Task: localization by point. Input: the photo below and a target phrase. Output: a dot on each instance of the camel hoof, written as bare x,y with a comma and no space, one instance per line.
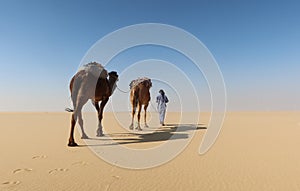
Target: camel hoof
147,126
131,127
72,144
84,136
139,129
100,135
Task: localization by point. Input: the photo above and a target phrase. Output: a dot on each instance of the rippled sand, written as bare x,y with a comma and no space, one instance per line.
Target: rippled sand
254,151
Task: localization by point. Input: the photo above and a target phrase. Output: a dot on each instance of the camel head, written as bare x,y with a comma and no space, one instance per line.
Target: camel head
113,78
147,83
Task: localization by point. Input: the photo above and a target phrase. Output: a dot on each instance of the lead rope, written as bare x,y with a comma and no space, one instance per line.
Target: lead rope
123,90
155,109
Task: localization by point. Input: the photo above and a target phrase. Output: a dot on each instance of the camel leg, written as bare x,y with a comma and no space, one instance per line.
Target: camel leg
145,114
80,103
77,115
134,105
100,117
132,117
80,122
139,116
96,105
134,97
71,139
72,142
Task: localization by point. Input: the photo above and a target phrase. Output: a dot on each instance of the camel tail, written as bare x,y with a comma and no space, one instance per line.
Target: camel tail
69,110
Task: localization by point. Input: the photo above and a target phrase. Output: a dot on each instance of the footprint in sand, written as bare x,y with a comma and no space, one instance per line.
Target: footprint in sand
11,183
58,170
113,181
22,170
39,157
80,163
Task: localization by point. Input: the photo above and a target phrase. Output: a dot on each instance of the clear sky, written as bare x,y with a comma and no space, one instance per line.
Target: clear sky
255,43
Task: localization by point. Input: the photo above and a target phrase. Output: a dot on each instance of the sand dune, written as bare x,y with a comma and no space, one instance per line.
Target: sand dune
254,151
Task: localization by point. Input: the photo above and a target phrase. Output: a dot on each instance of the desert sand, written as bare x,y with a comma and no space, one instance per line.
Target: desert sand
254,151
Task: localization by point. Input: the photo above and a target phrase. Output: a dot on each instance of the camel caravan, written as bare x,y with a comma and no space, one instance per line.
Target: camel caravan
93,82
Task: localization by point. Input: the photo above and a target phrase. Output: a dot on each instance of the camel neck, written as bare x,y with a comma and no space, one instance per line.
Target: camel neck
111,82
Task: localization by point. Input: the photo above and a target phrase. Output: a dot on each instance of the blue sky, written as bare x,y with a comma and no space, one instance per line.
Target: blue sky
255,43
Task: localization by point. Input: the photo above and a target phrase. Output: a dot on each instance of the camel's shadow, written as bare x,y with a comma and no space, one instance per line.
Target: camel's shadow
165,133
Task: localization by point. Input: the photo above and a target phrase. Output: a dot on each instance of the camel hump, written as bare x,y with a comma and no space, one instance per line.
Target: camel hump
145,81
95,69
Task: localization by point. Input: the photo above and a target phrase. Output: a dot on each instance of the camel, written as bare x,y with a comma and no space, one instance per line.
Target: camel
139,96
90,83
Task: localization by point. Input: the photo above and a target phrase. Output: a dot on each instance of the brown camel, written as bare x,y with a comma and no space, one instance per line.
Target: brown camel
90,83
139,95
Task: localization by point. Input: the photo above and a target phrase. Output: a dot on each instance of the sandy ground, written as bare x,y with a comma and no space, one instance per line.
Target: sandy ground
254,151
